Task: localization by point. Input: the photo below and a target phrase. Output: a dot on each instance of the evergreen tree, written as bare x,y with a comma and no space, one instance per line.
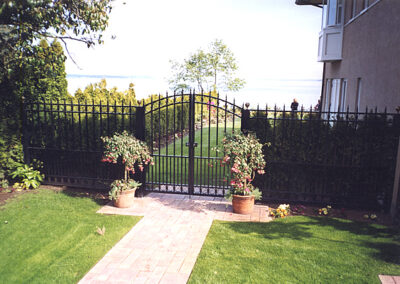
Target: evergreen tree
44,77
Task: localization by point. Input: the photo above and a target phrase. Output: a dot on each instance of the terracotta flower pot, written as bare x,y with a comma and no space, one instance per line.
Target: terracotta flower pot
243,204
125,199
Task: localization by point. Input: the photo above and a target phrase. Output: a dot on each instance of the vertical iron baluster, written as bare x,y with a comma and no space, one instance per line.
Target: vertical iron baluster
217,172
201,144
209,143
226,108
174,147
273,182
159,141
87,125
257,116
122,116
66,124
301,142
182,145
224,184
311,186
94,126
168,172
53,134
45,124
345,155
191,142
59,131
39,124
115,116
284,130
131,129
152,140
72,124
101,119
233,116
196,151
80,126
108,118
266,137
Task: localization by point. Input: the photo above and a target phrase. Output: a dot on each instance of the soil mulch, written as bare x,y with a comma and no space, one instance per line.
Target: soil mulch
350,214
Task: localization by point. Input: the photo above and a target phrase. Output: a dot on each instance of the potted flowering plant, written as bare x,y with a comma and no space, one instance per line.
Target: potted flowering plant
130,151
245,158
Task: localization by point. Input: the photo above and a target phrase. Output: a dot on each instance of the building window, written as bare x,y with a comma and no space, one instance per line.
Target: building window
332,13
354,9
327,95
365,4
358,95
343,93
334,95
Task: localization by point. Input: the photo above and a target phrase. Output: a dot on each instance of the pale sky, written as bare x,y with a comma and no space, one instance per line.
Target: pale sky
271,40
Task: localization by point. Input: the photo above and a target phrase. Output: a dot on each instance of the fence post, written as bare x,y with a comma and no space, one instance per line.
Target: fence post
24,133
396,184
140,134
244,127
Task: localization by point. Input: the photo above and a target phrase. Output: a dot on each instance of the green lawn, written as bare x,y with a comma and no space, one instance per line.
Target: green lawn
173,169
297,250
50,237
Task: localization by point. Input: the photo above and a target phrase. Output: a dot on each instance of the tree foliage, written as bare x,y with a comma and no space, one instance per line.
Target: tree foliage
214,69
23,22
44,77
98,92
31,68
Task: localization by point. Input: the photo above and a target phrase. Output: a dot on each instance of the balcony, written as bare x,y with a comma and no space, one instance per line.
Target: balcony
330,44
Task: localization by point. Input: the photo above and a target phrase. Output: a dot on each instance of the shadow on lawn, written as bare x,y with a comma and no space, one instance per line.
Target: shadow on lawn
387,250
100,197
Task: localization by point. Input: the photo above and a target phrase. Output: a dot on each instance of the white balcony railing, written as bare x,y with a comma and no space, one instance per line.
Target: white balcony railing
330,44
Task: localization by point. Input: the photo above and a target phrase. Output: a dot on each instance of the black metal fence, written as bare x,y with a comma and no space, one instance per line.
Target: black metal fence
343,158
65,136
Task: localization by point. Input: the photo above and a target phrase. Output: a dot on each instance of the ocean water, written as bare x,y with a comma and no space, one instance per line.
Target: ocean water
259,91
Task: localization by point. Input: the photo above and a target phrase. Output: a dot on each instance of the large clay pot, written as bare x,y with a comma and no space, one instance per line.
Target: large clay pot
243,204
125,199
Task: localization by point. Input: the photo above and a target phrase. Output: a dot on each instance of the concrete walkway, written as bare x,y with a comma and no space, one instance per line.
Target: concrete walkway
163,246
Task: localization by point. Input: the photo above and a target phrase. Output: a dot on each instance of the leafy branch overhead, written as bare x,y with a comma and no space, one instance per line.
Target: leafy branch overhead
22,22
203,70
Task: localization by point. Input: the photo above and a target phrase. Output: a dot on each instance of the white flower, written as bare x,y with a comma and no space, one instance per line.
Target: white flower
284,206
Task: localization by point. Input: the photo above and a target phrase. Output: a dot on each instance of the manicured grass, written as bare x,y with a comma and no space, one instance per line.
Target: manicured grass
50,237
297,250
174,169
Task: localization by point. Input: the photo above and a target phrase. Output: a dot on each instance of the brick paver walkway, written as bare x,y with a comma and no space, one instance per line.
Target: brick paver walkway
163,246
387,279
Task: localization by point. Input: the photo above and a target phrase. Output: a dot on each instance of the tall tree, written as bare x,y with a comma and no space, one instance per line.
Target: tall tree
44,77
204,69
222,63
23,23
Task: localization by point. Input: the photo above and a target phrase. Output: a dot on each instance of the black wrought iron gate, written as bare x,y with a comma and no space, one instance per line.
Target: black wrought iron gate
185,132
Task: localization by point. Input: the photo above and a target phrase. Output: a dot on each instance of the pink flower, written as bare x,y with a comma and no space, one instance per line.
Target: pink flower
261,172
